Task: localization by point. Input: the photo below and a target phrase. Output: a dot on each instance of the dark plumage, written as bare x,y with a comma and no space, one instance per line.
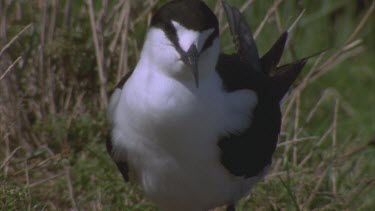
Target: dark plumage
249,152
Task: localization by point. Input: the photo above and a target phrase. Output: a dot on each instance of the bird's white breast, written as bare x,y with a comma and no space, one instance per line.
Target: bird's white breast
168,132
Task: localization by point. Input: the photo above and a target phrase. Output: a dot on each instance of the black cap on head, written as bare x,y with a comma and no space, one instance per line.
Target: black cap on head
192,14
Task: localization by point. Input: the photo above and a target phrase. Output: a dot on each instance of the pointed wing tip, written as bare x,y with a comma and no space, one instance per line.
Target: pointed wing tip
286,34
242,36
284,38
225,5
299,65
271,59
285,76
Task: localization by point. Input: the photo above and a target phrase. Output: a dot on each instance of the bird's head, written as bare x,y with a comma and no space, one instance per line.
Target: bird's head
183,40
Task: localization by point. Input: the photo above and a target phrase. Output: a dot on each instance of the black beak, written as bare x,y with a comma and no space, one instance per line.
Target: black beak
190,59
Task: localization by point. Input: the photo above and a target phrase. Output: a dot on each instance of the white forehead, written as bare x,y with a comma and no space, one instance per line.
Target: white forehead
187,37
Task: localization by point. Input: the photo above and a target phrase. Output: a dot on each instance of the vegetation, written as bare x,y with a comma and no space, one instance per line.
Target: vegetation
59,60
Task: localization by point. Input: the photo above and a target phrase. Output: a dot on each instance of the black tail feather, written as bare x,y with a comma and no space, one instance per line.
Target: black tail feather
271,59
284,76
281,77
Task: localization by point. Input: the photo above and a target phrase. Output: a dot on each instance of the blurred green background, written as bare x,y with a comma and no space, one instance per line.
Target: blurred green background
70,55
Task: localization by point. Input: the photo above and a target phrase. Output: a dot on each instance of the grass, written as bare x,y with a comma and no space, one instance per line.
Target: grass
60,59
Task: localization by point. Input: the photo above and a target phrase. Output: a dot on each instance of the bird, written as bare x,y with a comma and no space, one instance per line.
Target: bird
196,128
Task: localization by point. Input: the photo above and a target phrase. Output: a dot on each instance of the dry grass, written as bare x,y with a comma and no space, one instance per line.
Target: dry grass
59,59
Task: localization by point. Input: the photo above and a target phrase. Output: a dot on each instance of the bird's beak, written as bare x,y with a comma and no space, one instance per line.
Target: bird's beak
190,59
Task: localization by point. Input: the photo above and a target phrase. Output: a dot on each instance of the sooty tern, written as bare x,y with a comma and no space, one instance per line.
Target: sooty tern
197,128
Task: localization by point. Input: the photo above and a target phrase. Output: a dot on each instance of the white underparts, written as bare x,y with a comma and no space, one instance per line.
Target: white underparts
167,129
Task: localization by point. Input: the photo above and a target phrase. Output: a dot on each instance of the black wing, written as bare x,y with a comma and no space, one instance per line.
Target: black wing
248,153
242,37
121,165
